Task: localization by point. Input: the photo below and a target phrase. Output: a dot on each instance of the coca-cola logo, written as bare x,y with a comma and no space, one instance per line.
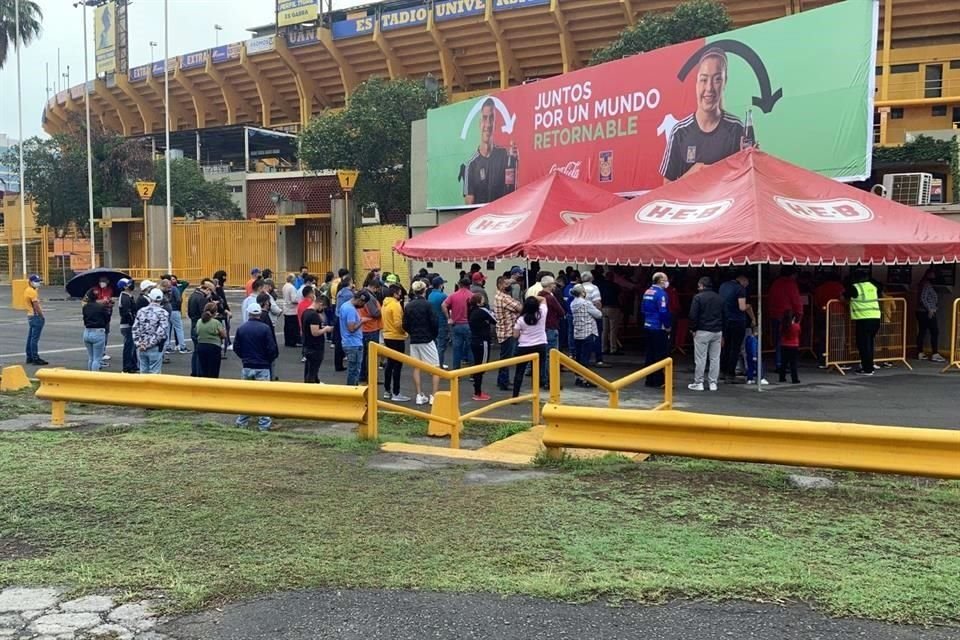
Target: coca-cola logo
496,223
573,217
836,211
669,212
571,169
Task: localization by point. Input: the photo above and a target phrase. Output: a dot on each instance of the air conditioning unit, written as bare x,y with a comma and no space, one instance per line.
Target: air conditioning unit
369,214
908,188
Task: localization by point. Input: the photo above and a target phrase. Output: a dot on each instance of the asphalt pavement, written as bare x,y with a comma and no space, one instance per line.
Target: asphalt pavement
897,396
409,615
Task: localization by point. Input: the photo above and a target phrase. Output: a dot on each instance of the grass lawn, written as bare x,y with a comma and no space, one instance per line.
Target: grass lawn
208,513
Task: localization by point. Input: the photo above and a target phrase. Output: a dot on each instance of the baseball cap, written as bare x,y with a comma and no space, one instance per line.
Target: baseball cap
478,278
254,271
146,284
419,285
123,283
155,296
438,281
35,278
253,309
515,271
546,281
393,279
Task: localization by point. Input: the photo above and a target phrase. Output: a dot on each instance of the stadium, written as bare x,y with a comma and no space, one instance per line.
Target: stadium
234,107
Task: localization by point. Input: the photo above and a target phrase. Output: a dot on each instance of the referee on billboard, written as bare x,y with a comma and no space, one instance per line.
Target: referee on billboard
708,135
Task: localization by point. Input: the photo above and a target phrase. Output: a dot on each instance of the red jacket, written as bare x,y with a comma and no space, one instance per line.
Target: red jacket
785,296
790,336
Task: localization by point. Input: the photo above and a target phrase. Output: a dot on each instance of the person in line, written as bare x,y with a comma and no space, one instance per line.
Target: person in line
455,313
371,313
530,331
927,303
291,329
150,330
555,315
351,335
790,345
784,295
35,319
421,323
478,286
394,337
266,302
571,280
255,274
314,328
96,316
592,294
864,296
256,346
436,298
344,297
175,342
210,334
612,313
734,296
127,315
506,310
298,282
165,287
706,324
584,320
481,320
658,323
517,284
196,303
103,290
223,312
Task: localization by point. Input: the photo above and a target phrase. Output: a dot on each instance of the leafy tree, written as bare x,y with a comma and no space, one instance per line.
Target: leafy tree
30,18
55,173
191,192
372,134
688,21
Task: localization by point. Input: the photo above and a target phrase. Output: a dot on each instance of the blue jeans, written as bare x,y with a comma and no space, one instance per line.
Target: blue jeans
175,339
95,340
263,422
508,349
34,327
461,346
777,353
354,356
553,342
151,360
129,350
443,339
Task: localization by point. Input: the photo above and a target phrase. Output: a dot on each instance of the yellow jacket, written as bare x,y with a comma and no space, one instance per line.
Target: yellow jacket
392,315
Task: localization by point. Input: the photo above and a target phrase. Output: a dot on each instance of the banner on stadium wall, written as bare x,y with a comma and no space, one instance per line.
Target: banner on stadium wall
193,60
804,82
413,16
225,52
137,74
296,11
259,45
105,37
301,37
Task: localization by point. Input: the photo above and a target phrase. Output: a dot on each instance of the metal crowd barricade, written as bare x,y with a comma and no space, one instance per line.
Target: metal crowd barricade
890,344
953,360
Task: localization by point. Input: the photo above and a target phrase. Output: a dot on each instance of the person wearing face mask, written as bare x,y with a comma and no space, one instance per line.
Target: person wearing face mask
35,320
104,294
927,302
657,320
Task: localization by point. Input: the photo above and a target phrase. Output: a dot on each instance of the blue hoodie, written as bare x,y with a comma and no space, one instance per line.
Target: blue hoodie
256,345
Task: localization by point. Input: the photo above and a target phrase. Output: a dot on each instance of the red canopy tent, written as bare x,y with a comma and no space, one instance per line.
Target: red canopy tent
753,208
500,229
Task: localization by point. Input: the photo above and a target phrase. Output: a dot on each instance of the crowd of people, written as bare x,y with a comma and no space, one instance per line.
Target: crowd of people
526,311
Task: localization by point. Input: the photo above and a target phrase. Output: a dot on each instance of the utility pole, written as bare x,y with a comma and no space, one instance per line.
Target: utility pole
18,43
86,93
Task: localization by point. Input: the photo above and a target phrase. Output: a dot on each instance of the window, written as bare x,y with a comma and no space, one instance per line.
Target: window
956,116
896,113
876,128
904,68
955,64
933,81
939,111
878,71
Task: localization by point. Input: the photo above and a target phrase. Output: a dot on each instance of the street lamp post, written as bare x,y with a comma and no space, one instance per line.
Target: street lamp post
152,46
166,119
18,43
216,31
86,93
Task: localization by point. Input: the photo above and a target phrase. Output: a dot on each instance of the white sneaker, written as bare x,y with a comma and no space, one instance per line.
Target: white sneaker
230,347
421,399
106,356
922,356
387,395
936,357
695,386
400,398
431,399
763,381
713,386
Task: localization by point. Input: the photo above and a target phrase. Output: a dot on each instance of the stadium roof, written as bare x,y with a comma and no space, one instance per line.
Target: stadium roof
281,81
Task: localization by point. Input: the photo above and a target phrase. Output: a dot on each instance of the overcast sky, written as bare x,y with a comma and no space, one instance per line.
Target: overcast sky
191,29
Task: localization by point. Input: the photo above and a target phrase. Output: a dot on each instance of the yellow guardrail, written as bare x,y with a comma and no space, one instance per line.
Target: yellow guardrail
954,357
890,343
184,393
450,415
559,359
837,445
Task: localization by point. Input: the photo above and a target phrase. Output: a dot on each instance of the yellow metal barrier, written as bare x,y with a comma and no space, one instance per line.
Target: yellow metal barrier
890,343
184,393
954,358
923,452
453,418
558,359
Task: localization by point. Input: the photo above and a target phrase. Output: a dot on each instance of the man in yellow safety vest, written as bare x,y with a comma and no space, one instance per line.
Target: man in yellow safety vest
864,297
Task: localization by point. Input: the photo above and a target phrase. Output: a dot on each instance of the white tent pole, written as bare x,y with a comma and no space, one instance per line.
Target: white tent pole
759,327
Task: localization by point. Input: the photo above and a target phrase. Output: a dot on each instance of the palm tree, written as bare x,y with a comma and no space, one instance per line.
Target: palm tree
30,18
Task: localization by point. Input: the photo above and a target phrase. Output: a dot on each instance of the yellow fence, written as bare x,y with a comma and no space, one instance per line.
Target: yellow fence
236,246
373,247
559,360
446,409
890,344
954,357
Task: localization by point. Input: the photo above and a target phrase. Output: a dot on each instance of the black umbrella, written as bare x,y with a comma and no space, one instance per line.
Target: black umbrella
83,282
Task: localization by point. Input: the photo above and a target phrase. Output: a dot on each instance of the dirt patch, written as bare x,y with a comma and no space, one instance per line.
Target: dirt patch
15,549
